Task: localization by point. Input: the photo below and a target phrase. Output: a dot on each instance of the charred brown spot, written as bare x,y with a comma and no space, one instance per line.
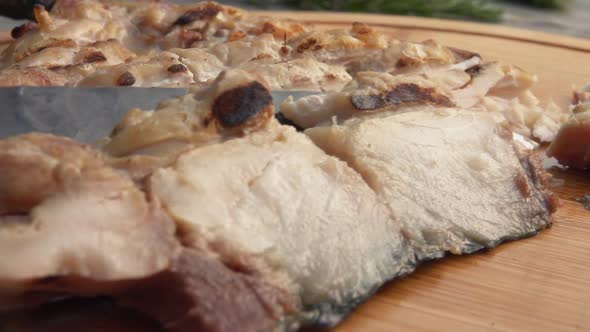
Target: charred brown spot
206,12
462,55
237,35
207,120
126,79
188,37
401,94
284,50
65,43
522,184
235,107
177,68
307,44
261,56
475,70
330,76
95,57
20,30
361,28
406,61
255,31
268,27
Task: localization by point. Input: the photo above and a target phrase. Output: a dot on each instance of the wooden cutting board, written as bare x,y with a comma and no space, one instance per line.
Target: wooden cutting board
537,284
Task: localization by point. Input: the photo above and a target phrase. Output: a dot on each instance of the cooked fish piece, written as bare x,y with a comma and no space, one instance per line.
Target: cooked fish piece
65,64
299,74
275,196
494,88
338,45
233,105
405,57
207,23
370,91
34,76
249,48
571,147
203,65
101,53
262,58
362,48
163,69
61,34
453,178
120,244
235,214
71,224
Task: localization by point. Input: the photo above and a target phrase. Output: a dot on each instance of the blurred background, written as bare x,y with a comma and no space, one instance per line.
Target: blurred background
569,17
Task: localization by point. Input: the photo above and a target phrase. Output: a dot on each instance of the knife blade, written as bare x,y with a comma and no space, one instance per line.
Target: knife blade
85,114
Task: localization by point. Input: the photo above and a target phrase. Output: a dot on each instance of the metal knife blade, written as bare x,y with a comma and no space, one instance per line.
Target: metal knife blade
85,114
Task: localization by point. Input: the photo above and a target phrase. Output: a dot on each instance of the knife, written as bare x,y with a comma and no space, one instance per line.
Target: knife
85,114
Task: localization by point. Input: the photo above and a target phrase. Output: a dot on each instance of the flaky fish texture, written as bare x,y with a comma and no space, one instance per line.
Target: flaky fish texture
71,224
276,196
263,196
266,231
208,214
455,181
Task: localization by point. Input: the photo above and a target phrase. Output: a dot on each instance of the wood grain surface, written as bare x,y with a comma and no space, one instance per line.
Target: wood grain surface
537,284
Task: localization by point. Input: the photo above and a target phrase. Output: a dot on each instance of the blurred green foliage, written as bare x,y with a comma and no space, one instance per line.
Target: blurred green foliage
555,4
480,10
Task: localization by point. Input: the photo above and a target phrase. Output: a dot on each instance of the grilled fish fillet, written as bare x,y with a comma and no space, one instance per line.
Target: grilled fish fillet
455,181
239,223
244,186
276,196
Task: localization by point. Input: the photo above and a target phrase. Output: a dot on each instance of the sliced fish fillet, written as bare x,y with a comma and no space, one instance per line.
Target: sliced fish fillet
275,196
455,181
